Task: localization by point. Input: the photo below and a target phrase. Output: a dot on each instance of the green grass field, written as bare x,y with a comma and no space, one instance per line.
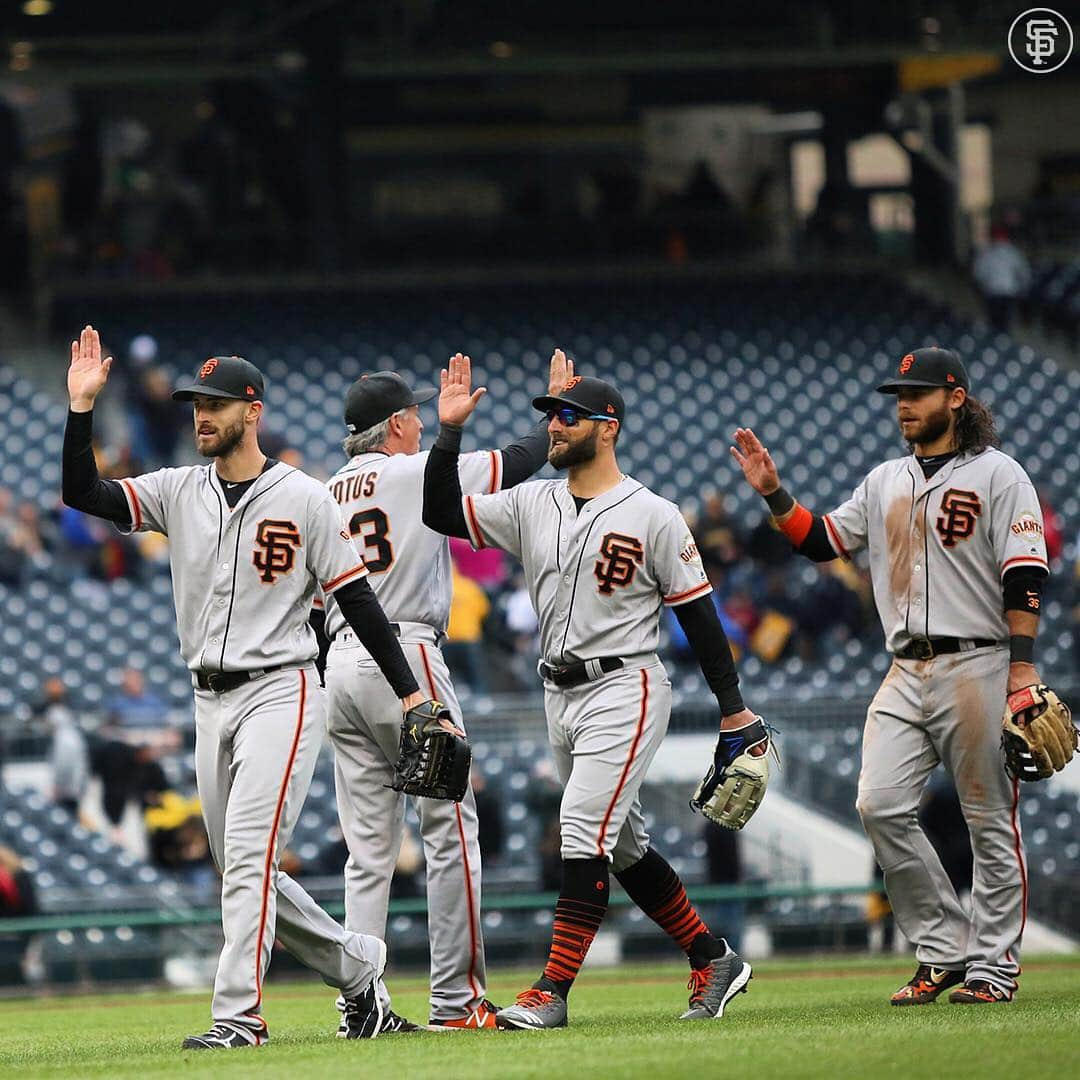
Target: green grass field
808,1018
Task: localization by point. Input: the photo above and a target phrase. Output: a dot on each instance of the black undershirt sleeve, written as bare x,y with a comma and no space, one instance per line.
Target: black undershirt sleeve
524,456
82,488
704,632
442,486
365,615
816,546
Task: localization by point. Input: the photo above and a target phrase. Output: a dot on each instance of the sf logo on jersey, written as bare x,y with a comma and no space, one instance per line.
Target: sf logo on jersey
959,509
275,548
621,557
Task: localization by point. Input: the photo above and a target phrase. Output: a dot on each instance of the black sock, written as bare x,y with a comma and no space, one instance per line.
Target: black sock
655,887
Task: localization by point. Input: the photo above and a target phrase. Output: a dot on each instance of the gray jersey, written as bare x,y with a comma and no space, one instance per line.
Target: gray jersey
597,578
381,499
940,547
243,579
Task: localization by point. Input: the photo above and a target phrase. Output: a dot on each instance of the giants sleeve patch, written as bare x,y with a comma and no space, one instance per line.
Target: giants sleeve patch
1027,526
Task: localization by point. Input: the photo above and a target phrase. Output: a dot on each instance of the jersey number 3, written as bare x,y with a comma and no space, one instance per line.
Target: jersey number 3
373,528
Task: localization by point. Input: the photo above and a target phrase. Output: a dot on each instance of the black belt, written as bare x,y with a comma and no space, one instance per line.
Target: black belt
582,671
927,648
221,682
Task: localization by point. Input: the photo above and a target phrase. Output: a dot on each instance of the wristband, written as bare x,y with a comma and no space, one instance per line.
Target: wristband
779,502
1021,649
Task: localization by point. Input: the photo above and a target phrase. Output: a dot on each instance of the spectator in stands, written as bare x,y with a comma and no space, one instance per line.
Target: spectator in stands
161,422
522,624
741,612
21,544
134,706
767,546
491,830
779,622
17,901
719,539
544,798
40,535
833,608
943,822
178,842
463,650
128,773
69,759
680,646
723,866
487,567
1003,276
1053,532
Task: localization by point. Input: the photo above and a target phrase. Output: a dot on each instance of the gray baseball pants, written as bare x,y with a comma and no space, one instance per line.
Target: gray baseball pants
947,709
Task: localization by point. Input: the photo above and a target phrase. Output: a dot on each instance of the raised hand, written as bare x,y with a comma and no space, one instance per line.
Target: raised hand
755,461
457,399
562,371
88,373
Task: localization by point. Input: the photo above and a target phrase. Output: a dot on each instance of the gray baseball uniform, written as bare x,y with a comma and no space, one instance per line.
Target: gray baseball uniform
243,581
597,580
938,550
381,499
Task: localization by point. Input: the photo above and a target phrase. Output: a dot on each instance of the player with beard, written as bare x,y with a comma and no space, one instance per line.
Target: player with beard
601,554
954,534
249,540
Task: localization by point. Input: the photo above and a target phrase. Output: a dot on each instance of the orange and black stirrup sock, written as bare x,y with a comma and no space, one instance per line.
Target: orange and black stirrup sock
581,908
656,889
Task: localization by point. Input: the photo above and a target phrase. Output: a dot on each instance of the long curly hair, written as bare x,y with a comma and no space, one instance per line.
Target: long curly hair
975,428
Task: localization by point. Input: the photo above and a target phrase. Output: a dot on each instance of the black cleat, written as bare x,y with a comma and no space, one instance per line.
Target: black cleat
362,1017
393,1024
222,1037
926,985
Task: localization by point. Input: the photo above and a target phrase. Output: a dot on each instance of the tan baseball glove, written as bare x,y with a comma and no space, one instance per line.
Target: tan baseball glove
736,781
1037,733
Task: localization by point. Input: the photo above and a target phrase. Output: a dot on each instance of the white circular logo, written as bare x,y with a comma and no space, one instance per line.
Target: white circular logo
1040,40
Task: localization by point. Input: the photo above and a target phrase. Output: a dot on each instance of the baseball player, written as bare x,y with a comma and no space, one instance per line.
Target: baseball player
601,554
380,492
955,539
249,539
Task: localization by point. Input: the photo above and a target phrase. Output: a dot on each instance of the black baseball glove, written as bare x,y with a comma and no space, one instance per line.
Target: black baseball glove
432,762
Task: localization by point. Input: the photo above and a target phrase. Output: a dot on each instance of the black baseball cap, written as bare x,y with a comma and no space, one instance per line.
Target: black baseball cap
376,397
588,396
932,366
224,376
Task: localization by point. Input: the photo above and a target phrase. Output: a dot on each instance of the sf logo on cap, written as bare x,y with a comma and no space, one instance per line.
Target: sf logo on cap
905,364
208,368
572,382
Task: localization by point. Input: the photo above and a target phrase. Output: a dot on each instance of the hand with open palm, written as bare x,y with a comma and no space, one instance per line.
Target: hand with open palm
87,373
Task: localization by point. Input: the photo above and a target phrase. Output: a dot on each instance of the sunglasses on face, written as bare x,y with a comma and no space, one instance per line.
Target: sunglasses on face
571,418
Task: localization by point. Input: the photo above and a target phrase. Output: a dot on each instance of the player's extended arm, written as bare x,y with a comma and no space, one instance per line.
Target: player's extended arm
369,623
805,530
442,484
705,633
526,455
82,488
